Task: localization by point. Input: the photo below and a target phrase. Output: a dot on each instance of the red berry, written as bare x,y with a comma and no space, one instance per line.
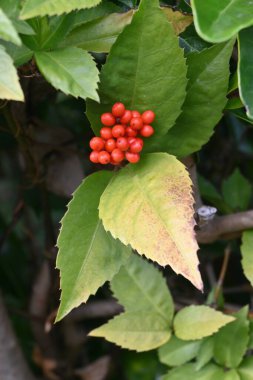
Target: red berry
147,131
122,143
132,157
106,133
130,132
136,146
117,155
113,162
104,157
131,140
108,119
118,109
148,117
96,143
136,114
118,131
136,123
127,116
110,145
94,156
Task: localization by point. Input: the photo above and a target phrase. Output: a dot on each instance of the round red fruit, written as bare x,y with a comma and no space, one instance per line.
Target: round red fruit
136,123
136,114
148,117
113,163
136,146
108,119
106,133
117,155
110,145
118,109
132,157
94,156
122,143
147,131
127,116
130,132
118,131
104,157
96,143
131,140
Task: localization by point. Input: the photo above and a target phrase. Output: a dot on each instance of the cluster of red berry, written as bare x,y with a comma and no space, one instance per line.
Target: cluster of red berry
119,137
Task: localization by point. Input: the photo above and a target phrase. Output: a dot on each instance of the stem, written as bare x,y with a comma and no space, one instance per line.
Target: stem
222,273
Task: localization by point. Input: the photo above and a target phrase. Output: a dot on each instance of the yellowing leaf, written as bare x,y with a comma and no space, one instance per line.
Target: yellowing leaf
150,207
178,20
140,331
247,254
196,322
10,88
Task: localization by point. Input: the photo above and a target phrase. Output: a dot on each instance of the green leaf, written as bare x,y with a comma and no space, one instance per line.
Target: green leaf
196,322
241,114
140,286
246,369
58,28
191,42
250,343
23,27
100,34
233,104
88,256
237,191
129,74
19,54
9,84
217,21
7,30
70,70
10,7
137,330
101,10
205,353
208,73
247,254
231,375
245,69
177,352
230,343
156,195
34,8
189,372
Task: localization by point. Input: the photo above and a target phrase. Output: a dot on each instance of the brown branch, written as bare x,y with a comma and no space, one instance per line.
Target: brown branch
225,227
12,362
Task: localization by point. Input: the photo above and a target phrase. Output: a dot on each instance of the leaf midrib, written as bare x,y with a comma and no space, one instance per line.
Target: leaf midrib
65,70
147,297
89,251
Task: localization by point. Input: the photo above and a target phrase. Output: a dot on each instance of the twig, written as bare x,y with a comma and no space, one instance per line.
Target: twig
225,227
223,271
